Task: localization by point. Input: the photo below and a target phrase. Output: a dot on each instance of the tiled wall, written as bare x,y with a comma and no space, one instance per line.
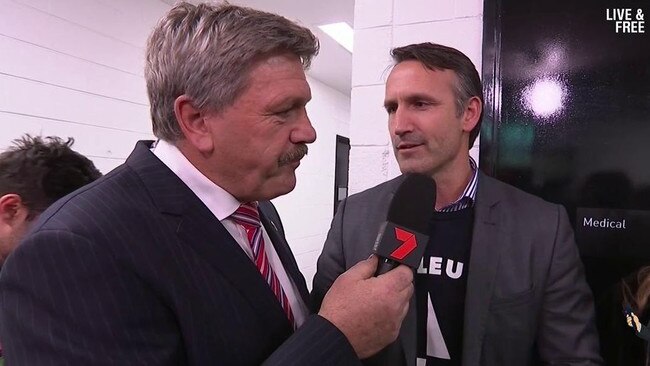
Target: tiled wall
74,68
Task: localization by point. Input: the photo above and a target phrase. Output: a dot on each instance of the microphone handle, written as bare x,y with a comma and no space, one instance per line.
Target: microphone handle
385,265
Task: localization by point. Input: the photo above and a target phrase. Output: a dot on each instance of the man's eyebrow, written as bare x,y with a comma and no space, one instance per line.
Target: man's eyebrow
420,96
291,102
411,98
390,104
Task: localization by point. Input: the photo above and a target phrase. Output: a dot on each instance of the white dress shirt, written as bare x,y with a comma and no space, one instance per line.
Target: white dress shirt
222,204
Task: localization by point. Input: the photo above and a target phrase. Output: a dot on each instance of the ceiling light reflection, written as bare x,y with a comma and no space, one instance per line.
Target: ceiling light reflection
545,97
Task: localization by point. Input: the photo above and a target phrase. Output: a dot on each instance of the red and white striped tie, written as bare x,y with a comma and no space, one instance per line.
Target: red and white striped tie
248,216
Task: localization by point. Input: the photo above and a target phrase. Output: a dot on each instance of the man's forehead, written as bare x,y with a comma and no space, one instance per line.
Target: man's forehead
414,77
417,67
278,61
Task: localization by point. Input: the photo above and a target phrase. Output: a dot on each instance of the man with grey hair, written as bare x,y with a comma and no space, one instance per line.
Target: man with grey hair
177,257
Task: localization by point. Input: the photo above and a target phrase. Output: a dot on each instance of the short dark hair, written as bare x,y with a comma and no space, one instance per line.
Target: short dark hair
438,57
42,170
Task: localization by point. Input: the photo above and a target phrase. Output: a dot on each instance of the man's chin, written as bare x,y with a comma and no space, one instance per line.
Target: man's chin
290,165
407,168
280,186
287,189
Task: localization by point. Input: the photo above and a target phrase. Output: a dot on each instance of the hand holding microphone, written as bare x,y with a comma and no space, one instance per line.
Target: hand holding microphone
369,301
369,310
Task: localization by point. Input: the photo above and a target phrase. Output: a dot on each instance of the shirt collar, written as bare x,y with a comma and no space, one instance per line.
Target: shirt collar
221,203
467,198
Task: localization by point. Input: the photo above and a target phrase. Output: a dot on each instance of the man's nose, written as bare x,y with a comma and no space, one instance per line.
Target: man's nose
304,133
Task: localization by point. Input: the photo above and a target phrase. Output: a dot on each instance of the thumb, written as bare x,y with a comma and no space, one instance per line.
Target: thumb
364,269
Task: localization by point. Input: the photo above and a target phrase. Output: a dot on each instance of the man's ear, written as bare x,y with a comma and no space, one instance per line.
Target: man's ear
472,114
193,124
12,210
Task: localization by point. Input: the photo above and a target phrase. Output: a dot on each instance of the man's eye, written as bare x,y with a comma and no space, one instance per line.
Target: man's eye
390,109
284,113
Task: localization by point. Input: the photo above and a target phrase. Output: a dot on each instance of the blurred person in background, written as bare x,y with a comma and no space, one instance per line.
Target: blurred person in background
34,173
635,295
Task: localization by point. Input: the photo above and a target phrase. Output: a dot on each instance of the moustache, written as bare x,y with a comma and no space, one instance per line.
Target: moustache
294,155
408,139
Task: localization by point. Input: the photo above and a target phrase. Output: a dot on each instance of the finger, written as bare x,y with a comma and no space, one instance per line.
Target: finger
404,296
364,269
405,310
399,278
408,291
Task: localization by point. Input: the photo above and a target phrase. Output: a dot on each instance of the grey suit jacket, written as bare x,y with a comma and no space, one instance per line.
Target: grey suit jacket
527,301
135,270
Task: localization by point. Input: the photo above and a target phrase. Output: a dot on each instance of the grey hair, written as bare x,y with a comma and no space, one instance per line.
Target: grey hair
205,51
438,57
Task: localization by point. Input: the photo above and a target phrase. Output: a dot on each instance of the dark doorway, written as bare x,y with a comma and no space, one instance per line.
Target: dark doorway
342,169
567,119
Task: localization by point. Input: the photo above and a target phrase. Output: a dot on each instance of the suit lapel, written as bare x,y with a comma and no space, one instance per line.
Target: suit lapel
197,227
484,258
281,246
200,229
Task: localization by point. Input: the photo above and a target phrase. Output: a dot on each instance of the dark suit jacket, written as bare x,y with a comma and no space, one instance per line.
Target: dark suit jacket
527,300
134,269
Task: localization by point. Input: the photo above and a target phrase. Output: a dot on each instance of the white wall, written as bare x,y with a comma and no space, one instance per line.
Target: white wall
75,68
307,211
379,26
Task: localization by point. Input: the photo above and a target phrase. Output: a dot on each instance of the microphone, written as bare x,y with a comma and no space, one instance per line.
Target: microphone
402,237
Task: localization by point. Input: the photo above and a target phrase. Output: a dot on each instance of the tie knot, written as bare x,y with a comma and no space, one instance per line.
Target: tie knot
247,215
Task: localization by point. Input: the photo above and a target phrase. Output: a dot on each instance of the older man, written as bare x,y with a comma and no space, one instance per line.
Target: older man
177,257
